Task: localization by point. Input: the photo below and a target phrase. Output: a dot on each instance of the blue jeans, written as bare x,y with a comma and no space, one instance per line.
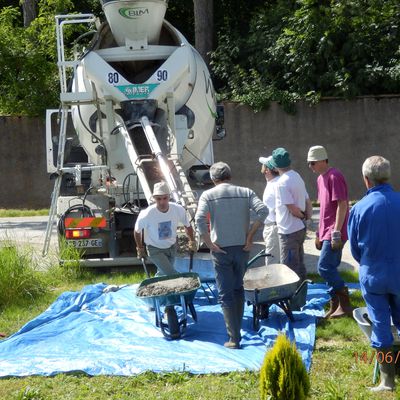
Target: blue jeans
328,263
229,272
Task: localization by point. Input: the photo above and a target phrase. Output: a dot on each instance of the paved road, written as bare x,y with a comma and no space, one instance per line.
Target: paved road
311,253
31,231
24,230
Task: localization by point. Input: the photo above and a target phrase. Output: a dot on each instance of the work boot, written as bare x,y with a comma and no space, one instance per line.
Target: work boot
333,305
231,328
387,370
344,309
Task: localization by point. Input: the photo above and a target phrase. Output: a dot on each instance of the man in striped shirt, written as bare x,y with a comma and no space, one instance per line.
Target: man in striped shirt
230,240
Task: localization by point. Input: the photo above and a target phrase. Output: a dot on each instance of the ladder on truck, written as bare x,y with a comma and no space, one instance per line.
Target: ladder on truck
182,194
67,99
176,179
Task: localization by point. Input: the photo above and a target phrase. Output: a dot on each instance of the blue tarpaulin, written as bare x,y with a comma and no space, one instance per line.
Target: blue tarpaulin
114,334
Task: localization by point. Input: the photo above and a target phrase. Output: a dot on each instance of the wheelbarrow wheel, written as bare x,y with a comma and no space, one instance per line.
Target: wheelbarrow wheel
173,323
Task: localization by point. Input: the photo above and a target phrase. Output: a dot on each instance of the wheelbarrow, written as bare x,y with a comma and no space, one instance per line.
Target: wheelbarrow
364,323
273,284
172,326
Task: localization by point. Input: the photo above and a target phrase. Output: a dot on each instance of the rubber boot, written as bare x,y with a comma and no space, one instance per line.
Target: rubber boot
239,310
387,370
344,309
232,328
333,305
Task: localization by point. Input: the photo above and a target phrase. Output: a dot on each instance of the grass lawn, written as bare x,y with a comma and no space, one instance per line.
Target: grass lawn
6,213
336,372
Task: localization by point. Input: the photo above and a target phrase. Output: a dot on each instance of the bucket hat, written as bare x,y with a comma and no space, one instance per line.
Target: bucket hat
317,153
280,158
161,189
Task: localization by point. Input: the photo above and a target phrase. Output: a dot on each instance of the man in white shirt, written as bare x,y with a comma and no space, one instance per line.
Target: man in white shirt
293,208
156,227
270,232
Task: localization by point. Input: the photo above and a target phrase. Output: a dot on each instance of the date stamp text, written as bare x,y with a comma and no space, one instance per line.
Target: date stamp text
379,356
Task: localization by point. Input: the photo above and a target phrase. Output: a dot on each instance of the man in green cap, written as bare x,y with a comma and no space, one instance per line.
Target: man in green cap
293,208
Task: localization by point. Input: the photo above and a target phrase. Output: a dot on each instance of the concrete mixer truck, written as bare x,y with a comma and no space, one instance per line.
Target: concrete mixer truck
137,107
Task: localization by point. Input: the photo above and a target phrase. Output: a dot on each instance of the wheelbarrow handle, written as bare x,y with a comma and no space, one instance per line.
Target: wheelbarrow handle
305,282
145,267
262,253
191,254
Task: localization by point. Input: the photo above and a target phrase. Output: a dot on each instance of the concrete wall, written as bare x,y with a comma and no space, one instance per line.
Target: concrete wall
350,130
24,181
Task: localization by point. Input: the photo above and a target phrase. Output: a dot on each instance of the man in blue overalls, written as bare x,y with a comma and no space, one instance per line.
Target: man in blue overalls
374,233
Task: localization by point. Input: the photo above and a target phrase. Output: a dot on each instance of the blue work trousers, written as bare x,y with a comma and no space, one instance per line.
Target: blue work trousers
380,308
328,263
229,272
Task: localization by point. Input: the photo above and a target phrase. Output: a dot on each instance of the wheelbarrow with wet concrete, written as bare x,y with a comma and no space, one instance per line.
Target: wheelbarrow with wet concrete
273,284
167,295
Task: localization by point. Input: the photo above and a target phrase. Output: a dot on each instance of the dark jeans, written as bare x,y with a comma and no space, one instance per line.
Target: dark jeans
229,272
292,252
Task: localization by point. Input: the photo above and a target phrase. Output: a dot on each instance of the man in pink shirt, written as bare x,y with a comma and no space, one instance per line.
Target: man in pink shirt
332,232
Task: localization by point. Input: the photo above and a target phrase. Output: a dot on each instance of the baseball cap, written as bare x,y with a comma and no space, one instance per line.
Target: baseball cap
266,161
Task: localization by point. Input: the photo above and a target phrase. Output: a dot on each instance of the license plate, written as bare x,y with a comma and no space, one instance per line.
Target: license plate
83,243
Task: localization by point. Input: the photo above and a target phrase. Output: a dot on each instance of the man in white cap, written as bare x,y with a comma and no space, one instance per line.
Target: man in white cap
270,232
159,223
332,230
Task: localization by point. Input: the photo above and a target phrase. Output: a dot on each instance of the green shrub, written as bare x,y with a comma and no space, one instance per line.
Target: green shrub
283,375
70,268
19,278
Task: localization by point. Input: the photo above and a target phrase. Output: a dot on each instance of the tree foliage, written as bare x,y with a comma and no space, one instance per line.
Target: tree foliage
306,49
29,80
281,50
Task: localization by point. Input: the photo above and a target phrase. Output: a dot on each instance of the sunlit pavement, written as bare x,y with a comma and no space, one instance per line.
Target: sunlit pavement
31,231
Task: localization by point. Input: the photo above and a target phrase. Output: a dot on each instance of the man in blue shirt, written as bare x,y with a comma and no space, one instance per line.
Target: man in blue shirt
374,233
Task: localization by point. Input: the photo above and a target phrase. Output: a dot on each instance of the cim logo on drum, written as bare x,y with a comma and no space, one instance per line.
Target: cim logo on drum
133,12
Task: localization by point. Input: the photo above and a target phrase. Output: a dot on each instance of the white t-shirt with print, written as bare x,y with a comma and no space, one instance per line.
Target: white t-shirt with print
160,227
